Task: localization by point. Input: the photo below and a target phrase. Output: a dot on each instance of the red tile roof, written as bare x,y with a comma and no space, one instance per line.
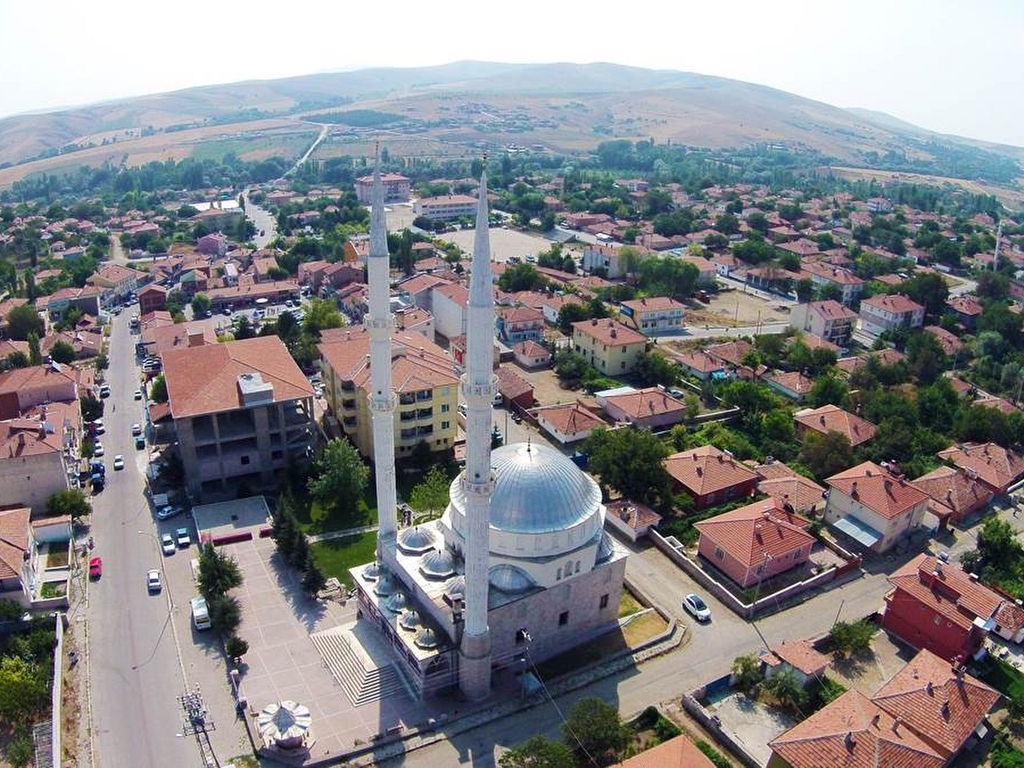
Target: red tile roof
953,492
997,466
758,531
645,403
416,362
787,487
792,381
678,752
609,332
14,525
878,490
854,732
832,418
203,380
943,705
800,655
947,590
570,419
831,309
707,470
511,384
896,303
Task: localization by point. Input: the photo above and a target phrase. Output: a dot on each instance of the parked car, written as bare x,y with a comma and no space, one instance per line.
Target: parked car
95,567
167,512
140,442
97,450
118,462
153,581
98,428
167,544
105,390
136,430
184,540
200,613
697,607
137,394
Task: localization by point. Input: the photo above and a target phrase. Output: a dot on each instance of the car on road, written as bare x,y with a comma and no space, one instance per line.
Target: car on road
95,567
136,430
167,512
137,394
167,544
153,581
184,540
696,607
105,390
140,442
98,428
118,462
97,450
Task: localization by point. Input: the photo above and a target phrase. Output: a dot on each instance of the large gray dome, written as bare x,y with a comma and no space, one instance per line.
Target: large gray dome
536,490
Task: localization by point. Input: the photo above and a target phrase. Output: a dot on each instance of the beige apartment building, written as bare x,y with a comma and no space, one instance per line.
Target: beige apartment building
423,376
609,346
242,410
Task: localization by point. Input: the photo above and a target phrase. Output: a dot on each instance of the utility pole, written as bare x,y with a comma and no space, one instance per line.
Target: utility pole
197,722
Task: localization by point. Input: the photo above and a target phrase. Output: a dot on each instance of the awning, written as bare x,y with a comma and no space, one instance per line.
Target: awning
859,531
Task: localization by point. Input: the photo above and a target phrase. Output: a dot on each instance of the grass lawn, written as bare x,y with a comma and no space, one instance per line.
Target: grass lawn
336,556
313,518
628,605
1003,677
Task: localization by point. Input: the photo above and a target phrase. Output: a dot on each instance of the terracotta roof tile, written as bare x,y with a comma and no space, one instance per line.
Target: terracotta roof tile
954,492
947,590
801,655
707,470
759,530
570,419
14,524
878,490
997,466
609,332
678,752
645,403
416,362
832,418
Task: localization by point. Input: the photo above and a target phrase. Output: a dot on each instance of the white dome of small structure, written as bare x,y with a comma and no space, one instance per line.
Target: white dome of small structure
410,620
284,724
438,564
383,587
397,603
508,578
415,540
455,588
542,503
426,639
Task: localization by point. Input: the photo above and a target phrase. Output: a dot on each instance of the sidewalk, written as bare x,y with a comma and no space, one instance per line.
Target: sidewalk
341,534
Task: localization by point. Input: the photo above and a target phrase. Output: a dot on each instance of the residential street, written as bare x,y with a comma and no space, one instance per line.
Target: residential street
133,660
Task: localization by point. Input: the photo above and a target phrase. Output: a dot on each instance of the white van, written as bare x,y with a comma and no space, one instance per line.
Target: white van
200,613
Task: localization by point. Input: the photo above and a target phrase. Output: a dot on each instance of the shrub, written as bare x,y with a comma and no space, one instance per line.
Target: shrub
235,647
712,754
225,614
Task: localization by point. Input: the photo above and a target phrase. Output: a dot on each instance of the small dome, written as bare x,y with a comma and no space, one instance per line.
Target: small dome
415,540
536,490
397,603
371,572
508,578
410,620
426,639
605,548
454,588
383,586
439,564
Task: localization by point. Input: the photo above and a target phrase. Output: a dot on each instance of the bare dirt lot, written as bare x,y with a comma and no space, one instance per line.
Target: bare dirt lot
546,388
504,242
736,308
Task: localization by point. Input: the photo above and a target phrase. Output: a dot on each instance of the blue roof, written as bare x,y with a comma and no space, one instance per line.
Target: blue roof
858,530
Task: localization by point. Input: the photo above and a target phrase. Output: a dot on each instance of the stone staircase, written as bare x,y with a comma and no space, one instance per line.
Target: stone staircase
363,679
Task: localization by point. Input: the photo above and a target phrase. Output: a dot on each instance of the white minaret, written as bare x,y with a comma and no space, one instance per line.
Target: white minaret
478,383
378,324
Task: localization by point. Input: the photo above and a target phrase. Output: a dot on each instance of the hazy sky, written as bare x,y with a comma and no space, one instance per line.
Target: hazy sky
947,65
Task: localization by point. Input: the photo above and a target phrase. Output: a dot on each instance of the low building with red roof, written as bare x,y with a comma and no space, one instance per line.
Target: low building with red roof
828,319
755,542
997,467
648,408
514,389
793,491
15,555
531,354
677,752
632,519
242,410
874,507
955,495
653,314
798,656
709,476
832,418
967,310
568,423
791,384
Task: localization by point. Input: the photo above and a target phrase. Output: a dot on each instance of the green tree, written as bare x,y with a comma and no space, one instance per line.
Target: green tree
826,454
925,357
158,389
929,290
746,673
23,320
200,305
92,407
594,731
851,638
570,365
430,495
521,277
632,462
24,689
313,579
72,502
322,314
785,687
35,354
218,572
283,525
538,752
243,328
828,390
339,477
225,613
62,352
653,368
235,647
804,289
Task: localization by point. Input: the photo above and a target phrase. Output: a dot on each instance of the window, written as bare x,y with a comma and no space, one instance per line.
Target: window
719,553
445,407
245,460
445,424
563,618
277,454
558,575
604,602
577,568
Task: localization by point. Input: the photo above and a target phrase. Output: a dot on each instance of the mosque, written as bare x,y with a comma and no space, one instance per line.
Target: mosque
519,567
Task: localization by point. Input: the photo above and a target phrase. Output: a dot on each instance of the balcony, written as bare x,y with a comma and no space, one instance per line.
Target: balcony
407,398
425,413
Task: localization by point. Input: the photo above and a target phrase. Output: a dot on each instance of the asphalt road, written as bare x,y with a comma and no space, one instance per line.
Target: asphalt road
134,666
262,220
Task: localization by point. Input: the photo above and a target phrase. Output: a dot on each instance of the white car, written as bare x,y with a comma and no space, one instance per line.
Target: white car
167,544
153,581
97,450
137,394
136,430
118,462
697,607
184,540
167,512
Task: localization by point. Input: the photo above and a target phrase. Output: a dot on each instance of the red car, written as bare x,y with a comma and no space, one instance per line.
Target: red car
95,567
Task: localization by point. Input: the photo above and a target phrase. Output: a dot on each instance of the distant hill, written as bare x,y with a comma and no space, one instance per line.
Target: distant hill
564,107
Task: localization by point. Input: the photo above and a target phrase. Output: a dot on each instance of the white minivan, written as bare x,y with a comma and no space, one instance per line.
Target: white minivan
200,613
